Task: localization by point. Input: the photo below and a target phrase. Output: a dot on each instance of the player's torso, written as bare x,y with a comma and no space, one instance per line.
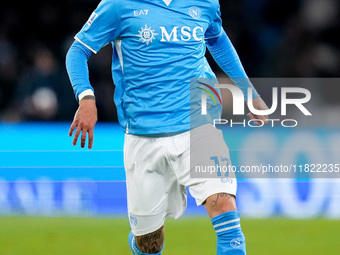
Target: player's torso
155,34
161,47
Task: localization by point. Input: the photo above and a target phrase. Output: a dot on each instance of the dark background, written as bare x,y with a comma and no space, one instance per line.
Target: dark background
281,38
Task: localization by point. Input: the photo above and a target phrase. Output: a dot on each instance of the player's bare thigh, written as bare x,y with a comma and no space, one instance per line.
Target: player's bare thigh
152,242
219,203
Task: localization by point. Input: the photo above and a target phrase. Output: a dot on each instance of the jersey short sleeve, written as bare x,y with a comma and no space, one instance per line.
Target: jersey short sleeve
215,28
102,27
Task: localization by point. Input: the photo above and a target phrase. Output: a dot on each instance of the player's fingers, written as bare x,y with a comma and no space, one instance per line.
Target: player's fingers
264,118
254,117
83,138
90,139
72,127
76,135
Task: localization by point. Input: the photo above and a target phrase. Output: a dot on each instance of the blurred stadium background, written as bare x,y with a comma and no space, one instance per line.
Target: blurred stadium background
42,175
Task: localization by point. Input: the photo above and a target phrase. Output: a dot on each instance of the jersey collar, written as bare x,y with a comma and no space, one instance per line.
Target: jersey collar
167,2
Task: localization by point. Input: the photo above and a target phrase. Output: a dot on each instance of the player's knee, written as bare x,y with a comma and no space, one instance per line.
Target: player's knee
151,243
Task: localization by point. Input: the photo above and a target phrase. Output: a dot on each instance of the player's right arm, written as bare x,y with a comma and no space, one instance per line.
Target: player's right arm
102,27
86,116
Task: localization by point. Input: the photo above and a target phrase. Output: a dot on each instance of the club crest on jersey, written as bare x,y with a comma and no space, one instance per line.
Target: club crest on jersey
146,34
195,12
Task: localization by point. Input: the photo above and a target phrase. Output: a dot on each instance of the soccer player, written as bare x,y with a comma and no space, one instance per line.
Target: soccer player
158,47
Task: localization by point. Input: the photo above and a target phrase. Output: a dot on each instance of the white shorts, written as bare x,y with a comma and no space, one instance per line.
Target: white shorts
158,172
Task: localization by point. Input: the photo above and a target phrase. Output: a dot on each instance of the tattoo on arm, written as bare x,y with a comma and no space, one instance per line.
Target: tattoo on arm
151,243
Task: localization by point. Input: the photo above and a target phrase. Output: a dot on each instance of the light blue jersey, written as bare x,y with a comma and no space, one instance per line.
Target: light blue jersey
159,45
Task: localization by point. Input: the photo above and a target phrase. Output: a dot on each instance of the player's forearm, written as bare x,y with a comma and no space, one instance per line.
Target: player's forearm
77,68
227,58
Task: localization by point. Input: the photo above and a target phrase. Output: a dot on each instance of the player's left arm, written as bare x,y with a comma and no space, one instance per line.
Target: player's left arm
225,55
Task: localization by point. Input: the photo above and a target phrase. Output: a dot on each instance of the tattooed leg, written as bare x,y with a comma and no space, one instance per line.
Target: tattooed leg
151,243
219,203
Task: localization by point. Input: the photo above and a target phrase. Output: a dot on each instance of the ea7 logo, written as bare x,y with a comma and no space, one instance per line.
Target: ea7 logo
140,12
182,34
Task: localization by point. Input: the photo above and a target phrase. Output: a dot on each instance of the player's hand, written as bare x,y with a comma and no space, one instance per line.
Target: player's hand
259,104
84,121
